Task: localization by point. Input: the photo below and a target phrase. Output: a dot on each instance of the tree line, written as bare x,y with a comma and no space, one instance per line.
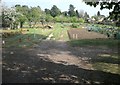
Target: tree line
16,16
19,14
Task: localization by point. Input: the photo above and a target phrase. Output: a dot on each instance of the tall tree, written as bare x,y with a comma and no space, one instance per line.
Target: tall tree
55,11
77,14
86,16
98,13
71,11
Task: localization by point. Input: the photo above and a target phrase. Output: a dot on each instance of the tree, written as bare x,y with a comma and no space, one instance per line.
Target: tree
25,10
21,19
5,17
71,11
47,11
22,12
98,13
48,18
22,9
55,11
86,16
9,18
34,15
107,4
77,14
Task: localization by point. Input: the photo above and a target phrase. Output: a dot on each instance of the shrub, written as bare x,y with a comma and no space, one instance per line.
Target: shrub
81,20
74,25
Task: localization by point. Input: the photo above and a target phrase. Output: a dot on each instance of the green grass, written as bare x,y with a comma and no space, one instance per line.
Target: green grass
106,67
95,42
35,35
58,31
107,63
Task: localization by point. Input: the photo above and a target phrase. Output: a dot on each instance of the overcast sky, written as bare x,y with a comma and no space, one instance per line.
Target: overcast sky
61,4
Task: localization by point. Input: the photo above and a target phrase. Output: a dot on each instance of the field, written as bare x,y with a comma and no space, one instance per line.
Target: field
60,54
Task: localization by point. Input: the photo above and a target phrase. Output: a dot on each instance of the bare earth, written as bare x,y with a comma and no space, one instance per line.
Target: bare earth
84,34
55,62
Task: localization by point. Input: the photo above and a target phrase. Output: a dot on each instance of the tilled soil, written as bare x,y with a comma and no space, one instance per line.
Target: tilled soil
55,62
84,34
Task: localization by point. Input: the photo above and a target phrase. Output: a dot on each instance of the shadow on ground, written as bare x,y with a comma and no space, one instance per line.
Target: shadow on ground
24,65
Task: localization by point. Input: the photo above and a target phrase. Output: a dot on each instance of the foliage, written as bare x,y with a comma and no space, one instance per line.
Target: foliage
48,18
9,17
34,15
107,4
81,20
47,11
74,25
71,11
98,13
22,12
77,14
21,19
86,16
73,19
55,11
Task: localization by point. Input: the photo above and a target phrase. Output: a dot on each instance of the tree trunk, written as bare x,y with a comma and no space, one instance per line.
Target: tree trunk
21,24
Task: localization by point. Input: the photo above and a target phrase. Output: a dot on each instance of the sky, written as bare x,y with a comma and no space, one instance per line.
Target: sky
63,5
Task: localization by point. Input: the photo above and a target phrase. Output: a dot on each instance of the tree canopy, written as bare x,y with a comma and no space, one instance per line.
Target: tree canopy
114,5
71,11
55,11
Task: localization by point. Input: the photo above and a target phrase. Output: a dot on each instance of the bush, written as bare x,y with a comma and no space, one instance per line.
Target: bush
81,20
74,25
73,19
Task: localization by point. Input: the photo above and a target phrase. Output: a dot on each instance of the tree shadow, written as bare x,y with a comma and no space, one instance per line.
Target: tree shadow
24,65
100,54
107,60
